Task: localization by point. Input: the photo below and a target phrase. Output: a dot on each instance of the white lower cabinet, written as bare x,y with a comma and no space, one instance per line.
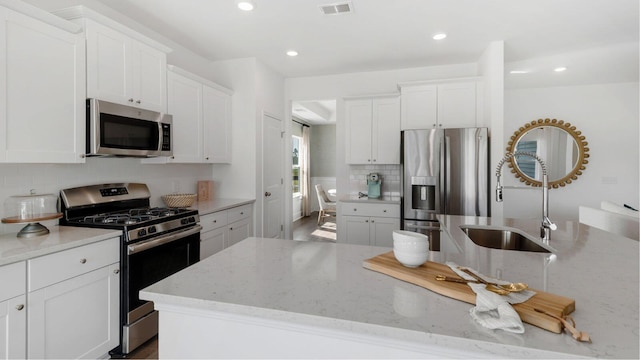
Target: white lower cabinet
13,313
73,302
222,229
368,224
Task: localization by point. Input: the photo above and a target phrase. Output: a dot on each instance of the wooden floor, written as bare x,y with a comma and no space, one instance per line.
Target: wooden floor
306,229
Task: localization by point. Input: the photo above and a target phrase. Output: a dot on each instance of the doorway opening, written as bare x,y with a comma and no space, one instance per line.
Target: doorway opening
313,151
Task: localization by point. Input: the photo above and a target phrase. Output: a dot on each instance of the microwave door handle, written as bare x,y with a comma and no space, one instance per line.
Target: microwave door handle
159,146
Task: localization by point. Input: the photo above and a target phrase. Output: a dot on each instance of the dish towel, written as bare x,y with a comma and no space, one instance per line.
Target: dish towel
494,311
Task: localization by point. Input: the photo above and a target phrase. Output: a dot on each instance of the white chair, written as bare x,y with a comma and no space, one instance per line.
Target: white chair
327,207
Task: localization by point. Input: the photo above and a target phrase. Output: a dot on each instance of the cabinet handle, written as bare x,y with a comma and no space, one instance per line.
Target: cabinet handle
374,160
138,102
130,100
207,158
116,271
366,221
83,261
82,156
242,213
267,194
230,228
385,210
369,160
434,125
215,221
372,221
19,307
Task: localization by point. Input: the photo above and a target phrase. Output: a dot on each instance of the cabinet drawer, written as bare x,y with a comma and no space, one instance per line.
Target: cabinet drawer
213,220
53,268
12,278
380,210
239,213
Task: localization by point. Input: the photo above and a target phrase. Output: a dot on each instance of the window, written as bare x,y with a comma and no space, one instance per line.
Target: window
527,164
295,172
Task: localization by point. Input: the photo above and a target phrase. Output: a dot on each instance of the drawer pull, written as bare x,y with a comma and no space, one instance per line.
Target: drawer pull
19,307
215,221
116,271
83,261
241,212
354,209
385,210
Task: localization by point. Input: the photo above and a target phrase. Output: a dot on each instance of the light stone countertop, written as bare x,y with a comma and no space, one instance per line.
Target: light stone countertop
381,200
14,249
211,206
324,285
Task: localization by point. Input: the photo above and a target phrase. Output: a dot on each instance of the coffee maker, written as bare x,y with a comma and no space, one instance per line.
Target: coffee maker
373,184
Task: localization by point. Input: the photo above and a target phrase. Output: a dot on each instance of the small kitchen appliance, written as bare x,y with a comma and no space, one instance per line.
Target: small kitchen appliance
30,209
373,184
155,242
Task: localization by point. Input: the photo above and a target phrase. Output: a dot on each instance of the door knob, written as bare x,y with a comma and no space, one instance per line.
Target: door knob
267,194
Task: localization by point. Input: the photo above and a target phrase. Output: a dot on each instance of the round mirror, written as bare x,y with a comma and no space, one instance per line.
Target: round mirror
558,143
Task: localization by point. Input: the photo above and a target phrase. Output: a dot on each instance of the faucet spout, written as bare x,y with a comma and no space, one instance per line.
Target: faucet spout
546,225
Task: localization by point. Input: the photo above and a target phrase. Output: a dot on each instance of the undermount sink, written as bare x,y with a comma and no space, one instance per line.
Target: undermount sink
505,239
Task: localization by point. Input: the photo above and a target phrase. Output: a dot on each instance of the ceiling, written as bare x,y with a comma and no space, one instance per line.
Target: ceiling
392,34
597,40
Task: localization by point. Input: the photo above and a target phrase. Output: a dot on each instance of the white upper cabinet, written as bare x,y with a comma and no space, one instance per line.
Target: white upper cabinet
123,70
201,119
428,105
42,90
373,130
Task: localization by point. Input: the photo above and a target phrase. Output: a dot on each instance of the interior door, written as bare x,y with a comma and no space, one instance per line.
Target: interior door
272,183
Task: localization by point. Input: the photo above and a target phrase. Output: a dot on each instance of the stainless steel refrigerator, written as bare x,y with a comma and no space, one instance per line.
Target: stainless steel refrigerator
445,171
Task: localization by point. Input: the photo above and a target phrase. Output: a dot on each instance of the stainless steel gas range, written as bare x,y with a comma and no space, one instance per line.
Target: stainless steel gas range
156,242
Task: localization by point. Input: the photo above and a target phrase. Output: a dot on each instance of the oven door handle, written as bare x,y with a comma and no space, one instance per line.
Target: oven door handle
146,245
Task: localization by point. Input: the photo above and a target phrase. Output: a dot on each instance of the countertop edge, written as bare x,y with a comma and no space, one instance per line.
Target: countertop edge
61,238
215,205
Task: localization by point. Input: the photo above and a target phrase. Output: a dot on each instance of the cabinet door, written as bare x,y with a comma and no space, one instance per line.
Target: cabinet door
386,131
75,318
382,230
109,64
185,104
358,136
149,77
239,231
356,229
457,105
212,241
42,76
419,106
13,328
216,125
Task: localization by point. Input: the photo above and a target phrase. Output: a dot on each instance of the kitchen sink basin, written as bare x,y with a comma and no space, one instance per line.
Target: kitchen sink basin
505,239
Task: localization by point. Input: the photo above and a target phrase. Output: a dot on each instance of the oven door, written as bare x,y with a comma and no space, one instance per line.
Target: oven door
146,263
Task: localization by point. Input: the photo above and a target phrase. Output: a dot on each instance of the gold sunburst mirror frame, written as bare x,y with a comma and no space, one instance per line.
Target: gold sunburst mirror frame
565,161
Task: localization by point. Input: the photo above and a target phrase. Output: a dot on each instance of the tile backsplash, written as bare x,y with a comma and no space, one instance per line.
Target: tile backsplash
20,179
390,175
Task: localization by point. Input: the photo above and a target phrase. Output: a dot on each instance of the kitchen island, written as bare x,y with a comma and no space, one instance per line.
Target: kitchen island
281,299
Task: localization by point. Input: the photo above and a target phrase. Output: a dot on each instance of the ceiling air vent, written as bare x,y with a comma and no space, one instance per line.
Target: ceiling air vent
338,8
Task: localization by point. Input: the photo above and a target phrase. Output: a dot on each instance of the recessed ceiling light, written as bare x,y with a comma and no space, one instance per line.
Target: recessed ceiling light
246,5
292,53
439,36
560,69
519,71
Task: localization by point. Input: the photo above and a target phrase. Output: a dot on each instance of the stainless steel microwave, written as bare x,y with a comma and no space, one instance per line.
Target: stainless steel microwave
120,130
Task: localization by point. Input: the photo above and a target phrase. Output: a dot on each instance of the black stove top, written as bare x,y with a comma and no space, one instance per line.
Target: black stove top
122,206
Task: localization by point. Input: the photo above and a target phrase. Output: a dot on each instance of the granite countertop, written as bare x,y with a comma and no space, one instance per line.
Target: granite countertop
325,285
211,206
14,249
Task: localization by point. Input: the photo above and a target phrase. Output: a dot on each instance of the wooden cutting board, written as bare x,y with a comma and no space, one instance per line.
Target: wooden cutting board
425,276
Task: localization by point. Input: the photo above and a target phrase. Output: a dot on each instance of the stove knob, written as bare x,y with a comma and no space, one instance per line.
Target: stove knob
184,221
142,232
152,229
192,219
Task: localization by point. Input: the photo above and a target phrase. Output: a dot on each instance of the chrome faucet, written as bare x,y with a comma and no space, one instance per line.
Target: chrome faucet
547,225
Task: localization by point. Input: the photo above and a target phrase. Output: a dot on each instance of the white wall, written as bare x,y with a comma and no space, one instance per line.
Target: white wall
607,115
322,139
19,179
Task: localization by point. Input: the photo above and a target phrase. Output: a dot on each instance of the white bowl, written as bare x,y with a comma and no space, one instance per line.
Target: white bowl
411,259
409,241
